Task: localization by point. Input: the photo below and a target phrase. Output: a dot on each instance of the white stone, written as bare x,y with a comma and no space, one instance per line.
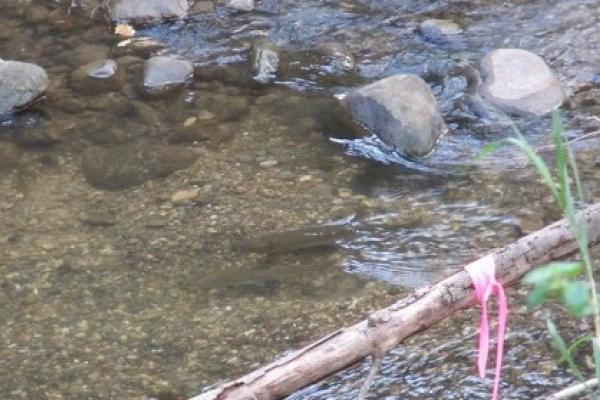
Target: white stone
519,82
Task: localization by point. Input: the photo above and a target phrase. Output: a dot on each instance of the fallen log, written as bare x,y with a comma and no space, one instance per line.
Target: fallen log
386,328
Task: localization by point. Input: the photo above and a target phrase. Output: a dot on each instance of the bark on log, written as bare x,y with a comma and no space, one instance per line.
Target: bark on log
386,328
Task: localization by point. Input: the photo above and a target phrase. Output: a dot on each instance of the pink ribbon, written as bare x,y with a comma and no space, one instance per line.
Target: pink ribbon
483,275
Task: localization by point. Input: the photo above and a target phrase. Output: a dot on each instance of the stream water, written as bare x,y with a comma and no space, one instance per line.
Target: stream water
141,291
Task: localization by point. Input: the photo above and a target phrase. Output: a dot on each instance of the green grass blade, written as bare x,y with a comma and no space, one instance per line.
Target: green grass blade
539,164
575,345
563,350
566,199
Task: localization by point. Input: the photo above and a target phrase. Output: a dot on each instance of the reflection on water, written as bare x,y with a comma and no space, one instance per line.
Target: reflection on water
120,213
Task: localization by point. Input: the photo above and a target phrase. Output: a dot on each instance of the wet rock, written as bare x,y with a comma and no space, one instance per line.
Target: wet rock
401,110
20,85
242,5
147,10
10,156
439,30
203,7
519,82
265,60
129,165
162,74
97,77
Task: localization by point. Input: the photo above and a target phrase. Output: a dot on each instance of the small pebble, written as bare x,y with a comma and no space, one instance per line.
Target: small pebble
184,196
268,163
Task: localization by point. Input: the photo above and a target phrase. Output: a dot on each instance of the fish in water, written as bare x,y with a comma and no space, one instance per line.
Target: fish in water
310,237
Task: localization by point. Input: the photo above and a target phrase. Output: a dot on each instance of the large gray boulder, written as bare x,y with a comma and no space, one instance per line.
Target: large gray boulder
164,73
519,82
146,10
20,84
401,110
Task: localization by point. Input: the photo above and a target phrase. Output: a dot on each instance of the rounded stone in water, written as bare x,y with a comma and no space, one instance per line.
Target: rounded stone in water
20,84
128,165
164,73
401,110
520,82
147,10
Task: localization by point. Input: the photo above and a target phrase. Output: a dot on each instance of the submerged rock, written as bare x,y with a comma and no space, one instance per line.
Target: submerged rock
519,82
20,85
401,110
128,165
97,77
164,73
439,30
147,10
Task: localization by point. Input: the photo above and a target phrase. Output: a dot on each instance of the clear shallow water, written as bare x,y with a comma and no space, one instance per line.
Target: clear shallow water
131,294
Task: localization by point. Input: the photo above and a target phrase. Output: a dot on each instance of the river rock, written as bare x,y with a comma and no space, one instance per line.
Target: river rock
242,5
147,11
162,74
401,110
20,84
97,77
519,82
436,30
265,60
129,165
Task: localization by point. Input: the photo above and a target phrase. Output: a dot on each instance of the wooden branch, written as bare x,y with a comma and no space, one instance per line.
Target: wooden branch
574,390
386,328
552,147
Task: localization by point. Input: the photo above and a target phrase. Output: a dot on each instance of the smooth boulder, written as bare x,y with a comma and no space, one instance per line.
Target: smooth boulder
127,165
401,110
20,85
147,10
164,73
519,82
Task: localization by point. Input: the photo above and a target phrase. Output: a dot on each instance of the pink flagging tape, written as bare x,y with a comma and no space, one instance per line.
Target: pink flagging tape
483,275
